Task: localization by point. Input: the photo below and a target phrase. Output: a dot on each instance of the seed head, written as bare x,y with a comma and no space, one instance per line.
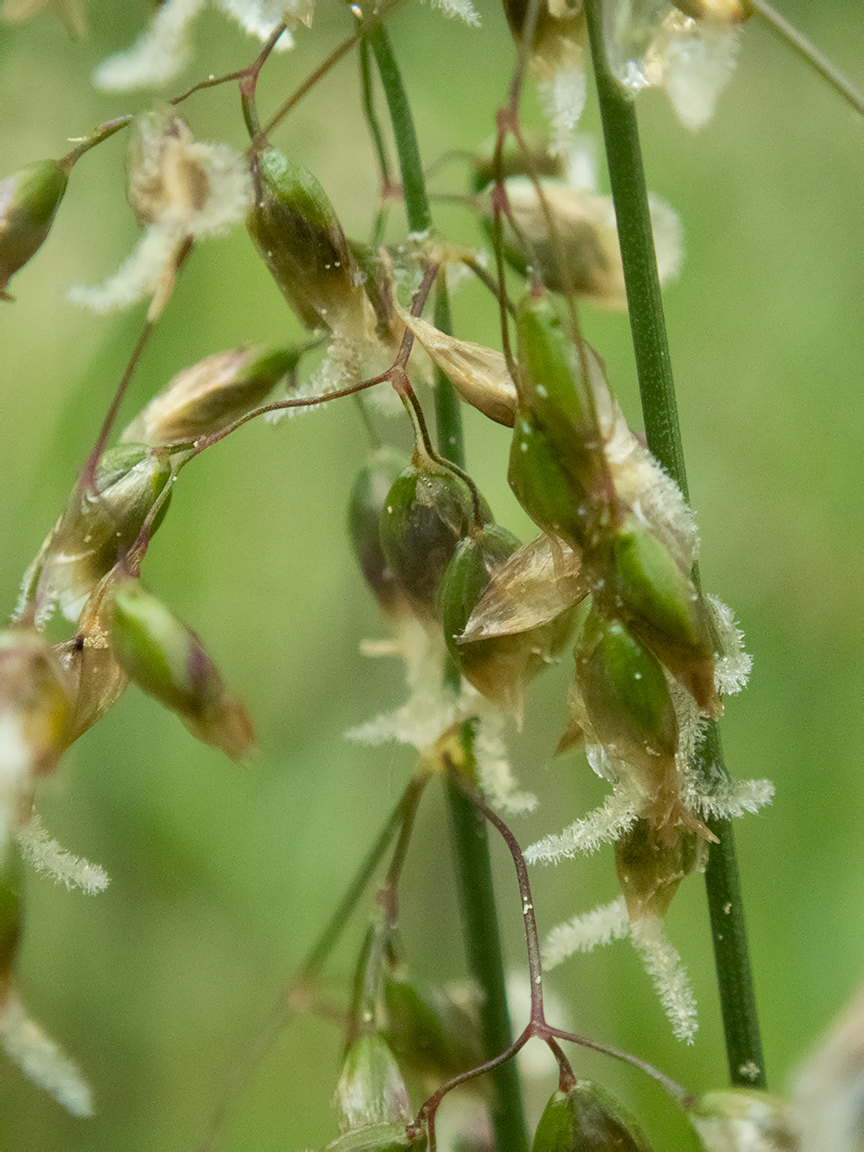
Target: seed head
587,1119
168,661
28,203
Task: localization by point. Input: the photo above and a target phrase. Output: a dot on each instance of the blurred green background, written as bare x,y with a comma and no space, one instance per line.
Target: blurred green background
223,876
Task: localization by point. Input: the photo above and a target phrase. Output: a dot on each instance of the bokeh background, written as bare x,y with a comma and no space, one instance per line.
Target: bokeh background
222,876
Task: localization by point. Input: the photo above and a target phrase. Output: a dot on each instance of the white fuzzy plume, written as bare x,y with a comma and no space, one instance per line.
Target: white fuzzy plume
458,10
41,1059
563,95
157,55
604,825
664,966
430,708
185,190
46,856
584,933
139,276
493,767
261,17
735,798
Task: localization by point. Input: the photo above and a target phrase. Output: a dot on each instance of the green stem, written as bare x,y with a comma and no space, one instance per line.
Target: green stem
413,180
451,441
663,433
370,114
377,142
729,935
627,176
103,132
471,846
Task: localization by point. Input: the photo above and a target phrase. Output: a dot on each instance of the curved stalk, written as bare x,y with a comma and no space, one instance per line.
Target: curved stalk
809,53
663,433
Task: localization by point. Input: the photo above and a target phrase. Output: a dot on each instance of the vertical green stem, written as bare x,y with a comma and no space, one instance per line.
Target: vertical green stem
471,847
663,433
729,936
413,181
627,176
451,440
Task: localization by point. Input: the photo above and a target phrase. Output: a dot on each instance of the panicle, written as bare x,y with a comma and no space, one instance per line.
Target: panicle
576,470
98,527
586,1118
687,48
428,510
29,200
556,52
181,190
568,240
297,233
749,1120
168,661
211,395
371,1090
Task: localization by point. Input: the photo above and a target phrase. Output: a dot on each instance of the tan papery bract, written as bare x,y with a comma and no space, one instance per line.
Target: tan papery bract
478,374
540,581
